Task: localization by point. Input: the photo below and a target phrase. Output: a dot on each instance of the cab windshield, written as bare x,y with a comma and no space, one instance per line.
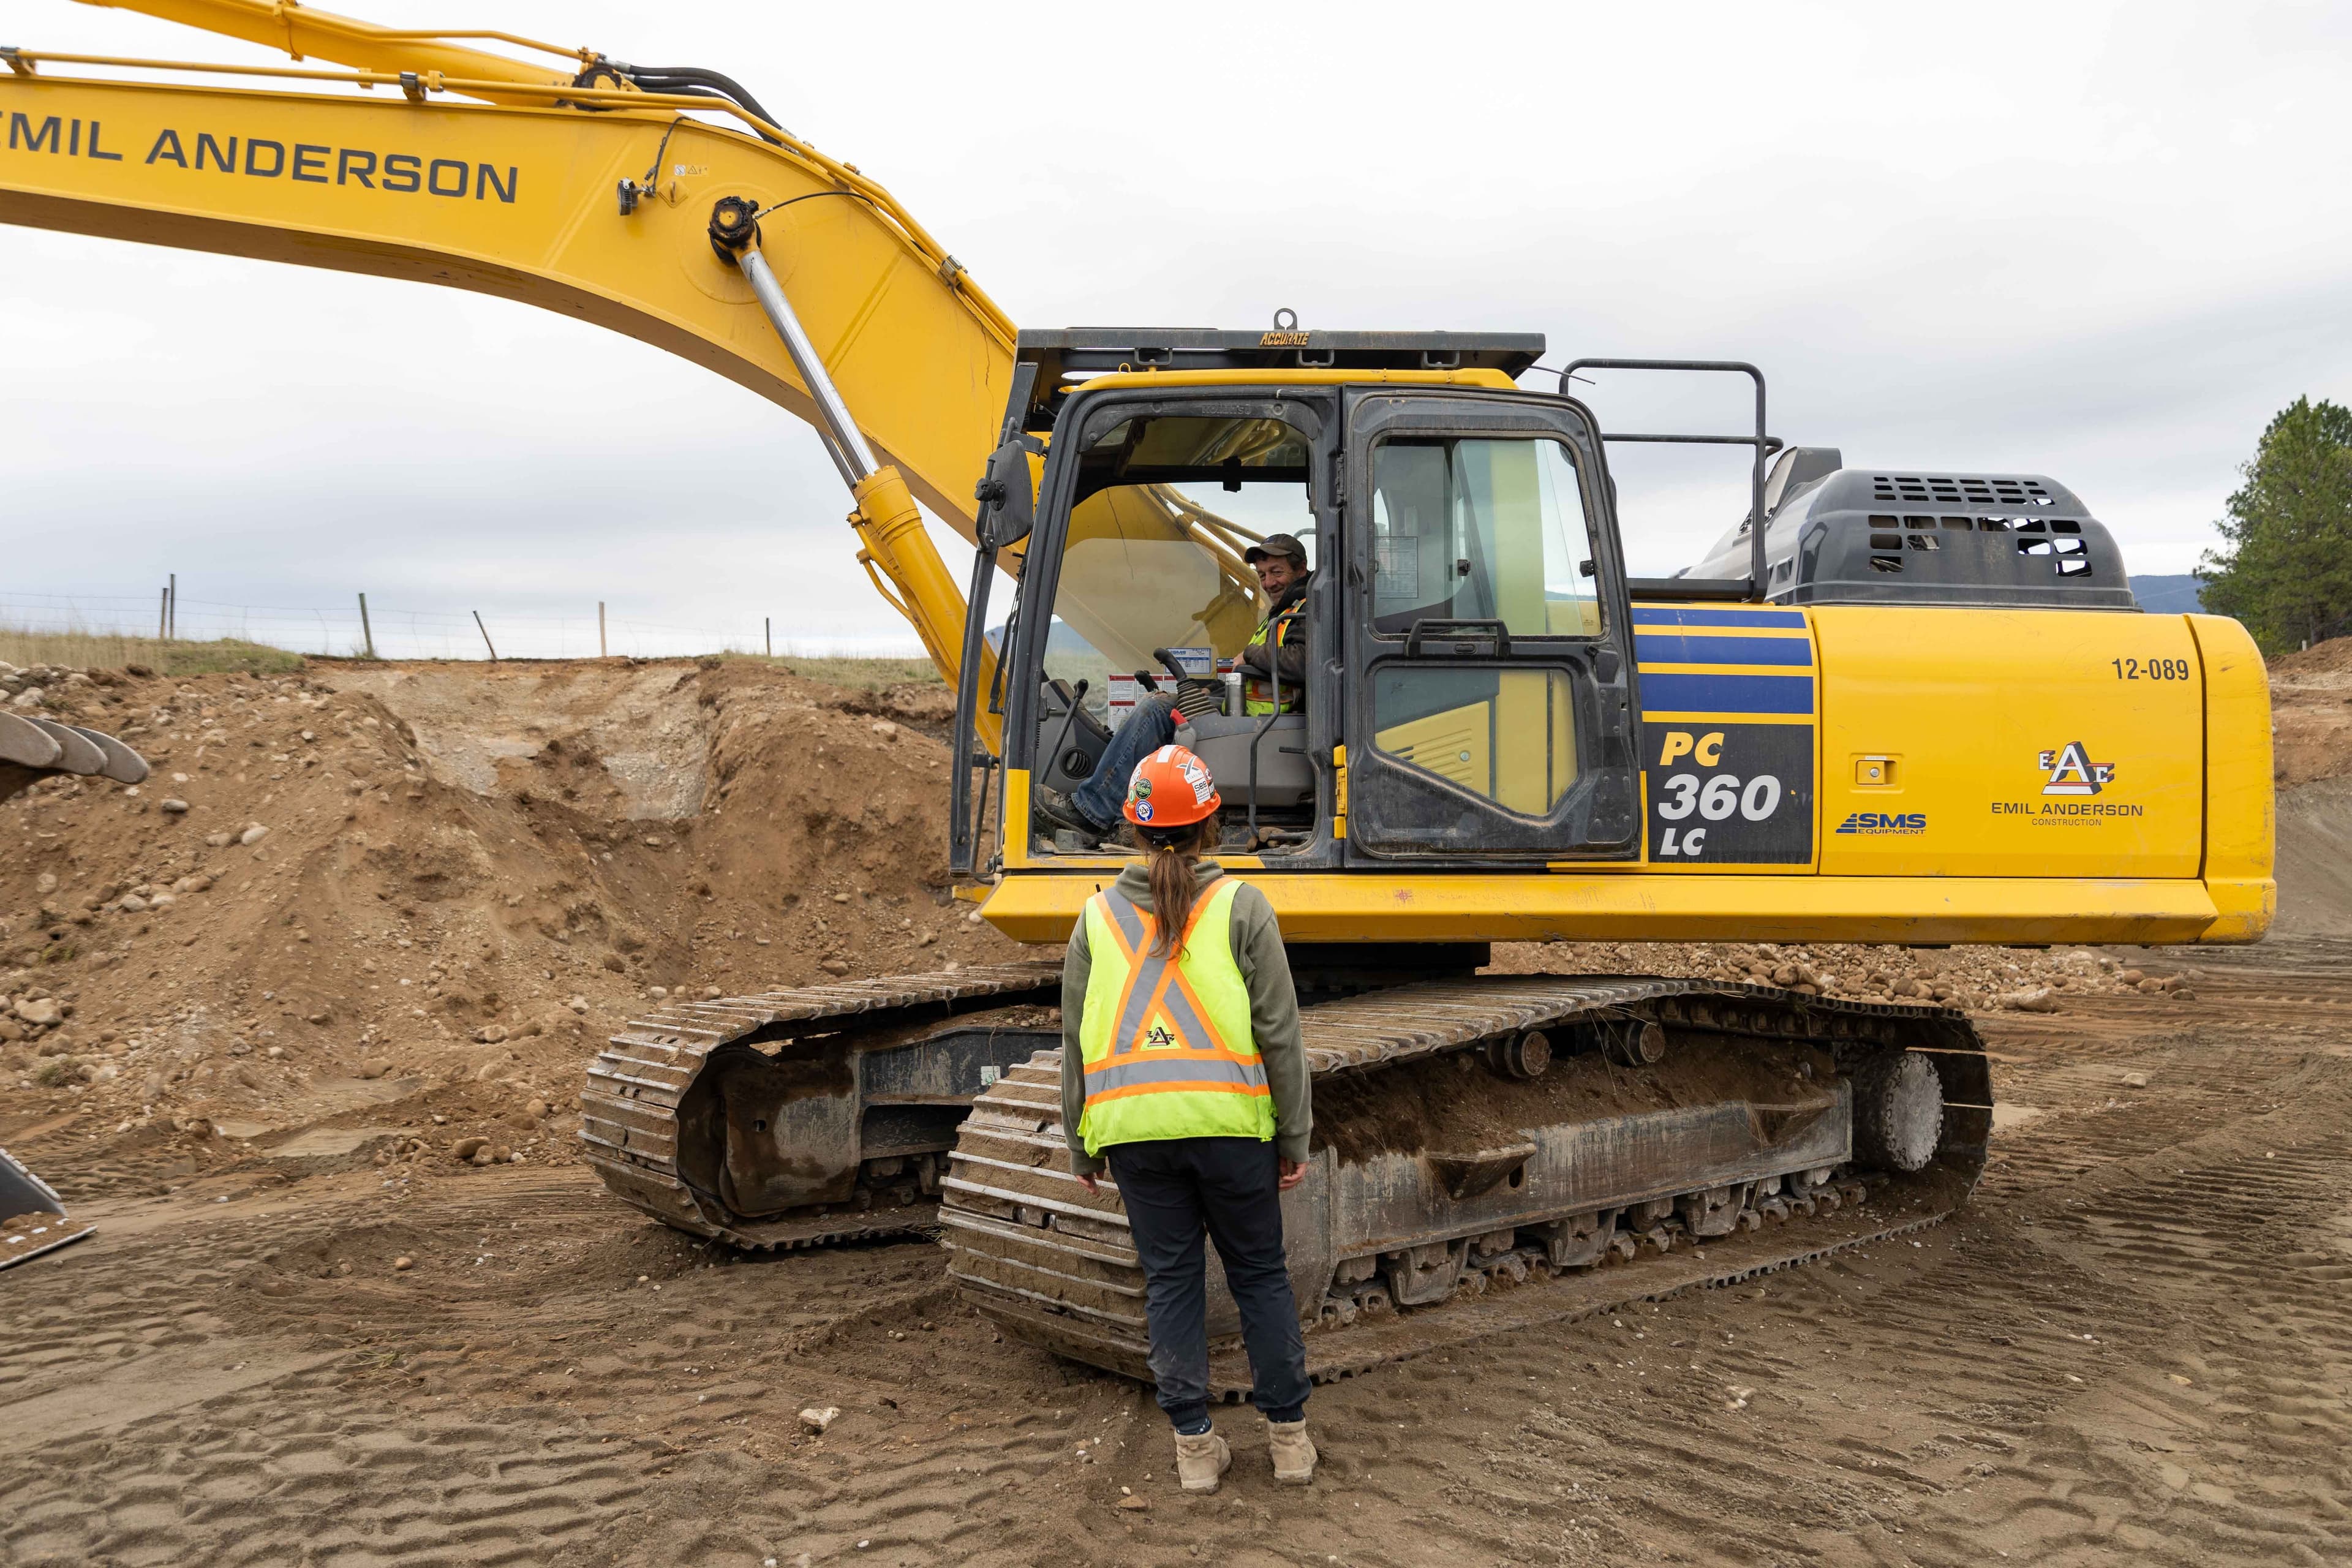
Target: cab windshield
1153,557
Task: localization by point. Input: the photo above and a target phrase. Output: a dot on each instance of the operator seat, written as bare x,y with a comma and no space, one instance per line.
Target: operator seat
1285,777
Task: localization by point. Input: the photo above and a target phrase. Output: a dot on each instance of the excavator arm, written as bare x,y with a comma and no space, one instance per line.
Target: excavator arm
576,189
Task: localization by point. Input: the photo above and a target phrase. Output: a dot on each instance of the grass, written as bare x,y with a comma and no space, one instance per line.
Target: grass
856,674
101,651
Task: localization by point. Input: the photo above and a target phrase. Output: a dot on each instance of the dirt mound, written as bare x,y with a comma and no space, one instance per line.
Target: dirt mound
2334,654
2311,713
404,903
2315,859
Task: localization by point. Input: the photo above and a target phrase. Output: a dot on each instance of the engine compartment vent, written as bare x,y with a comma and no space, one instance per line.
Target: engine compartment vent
1854,536
1959,489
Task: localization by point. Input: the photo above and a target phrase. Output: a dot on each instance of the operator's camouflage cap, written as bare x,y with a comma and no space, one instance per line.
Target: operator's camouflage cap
1277,544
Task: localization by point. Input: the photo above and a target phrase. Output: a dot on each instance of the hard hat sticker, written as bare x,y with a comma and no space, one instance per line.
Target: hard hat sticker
1143,811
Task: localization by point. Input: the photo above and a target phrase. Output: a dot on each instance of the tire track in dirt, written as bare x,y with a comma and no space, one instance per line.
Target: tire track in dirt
424,1386
594,1389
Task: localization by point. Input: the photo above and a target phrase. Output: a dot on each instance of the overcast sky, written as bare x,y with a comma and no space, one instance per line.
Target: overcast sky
2100,242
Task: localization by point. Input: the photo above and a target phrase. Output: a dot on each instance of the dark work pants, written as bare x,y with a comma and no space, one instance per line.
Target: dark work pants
1102,797
1174,1189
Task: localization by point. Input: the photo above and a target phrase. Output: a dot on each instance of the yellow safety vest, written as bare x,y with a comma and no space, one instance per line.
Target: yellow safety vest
1167,1041
1257,695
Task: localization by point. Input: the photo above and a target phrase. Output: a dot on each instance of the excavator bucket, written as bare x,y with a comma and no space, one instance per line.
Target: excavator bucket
32,1218
32,749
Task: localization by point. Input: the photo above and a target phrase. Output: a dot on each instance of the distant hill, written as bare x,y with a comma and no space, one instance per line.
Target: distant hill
2175,595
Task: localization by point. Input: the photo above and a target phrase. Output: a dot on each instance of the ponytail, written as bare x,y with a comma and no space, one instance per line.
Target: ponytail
1169,864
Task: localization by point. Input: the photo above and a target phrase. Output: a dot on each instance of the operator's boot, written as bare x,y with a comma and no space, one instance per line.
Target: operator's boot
1200,1461
1049,811
1293,1451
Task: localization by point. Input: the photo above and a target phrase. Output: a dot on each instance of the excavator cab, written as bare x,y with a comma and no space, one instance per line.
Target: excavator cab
1465,698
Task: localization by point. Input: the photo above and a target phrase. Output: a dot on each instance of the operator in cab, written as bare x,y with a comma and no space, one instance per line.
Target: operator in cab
1183,1073
1273,680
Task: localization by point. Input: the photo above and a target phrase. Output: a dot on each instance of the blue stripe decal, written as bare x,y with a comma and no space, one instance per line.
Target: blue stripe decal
1727,693
1678,615
1666,647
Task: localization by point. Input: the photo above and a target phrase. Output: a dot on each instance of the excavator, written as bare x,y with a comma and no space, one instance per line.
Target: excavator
1892,706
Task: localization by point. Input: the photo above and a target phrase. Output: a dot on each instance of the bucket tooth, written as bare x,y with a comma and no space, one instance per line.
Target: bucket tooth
33,748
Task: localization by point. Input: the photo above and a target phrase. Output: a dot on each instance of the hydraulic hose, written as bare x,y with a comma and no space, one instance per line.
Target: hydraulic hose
694,82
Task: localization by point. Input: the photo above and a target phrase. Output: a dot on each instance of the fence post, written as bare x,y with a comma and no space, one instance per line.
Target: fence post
486,636
767,625
601,651
172,607
367,632
162,612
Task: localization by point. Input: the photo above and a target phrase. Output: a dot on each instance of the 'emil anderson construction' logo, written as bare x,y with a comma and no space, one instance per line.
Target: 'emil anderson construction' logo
2072,772
2069,775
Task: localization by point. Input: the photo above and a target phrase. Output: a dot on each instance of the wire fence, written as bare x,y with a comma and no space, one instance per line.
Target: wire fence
397,632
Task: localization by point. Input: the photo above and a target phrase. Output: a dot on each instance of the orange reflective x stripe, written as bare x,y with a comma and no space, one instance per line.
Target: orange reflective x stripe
1133,929
1166,1042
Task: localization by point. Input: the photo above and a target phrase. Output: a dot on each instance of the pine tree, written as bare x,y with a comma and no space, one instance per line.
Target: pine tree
2286,571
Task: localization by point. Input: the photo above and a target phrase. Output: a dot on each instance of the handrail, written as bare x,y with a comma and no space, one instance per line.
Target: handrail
1762,442
304,32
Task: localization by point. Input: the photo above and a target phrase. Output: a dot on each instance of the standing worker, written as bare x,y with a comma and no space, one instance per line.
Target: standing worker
1181,1069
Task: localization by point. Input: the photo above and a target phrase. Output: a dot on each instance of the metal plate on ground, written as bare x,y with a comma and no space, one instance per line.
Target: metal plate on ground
39,1218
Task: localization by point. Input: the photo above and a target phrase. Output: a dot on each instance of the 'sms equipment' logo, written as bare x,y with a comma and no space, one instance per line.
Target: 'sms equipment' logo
1885,822
2072,772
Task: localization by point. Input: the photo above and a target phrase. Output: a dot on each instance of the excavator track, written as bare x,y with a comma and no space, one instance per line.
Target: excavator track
1737,1130
810,1116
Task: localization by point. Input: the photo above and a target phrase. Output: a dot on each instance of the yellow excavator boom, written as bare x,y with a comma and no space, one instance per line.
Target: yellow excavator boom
591,201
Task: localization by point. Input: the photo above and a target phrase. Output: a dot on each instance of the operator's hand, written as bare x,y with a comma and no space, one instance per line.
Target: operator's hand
1090,1184
1293,1173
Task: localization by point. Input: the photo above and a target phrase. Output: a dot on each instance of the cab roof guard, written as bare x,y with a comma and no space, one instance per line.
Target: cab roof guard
1046,362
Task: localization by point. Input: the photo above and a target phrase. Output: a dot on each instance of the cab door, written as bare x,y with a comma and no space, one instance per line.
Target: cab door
1489,713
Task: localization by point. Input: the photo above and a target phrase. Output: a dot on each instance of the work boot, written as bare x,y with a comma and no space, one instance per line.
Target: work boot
1293,1451
1049,811
1200,1461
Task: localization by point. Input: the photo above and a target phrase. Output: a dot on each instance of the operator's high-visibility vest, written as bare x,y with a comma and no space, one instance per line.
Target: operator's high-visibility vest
1167,1041
1257,694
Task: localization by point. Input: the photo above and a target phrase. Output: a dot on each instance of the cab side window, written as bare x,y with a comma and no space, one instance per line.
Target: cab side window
1481,529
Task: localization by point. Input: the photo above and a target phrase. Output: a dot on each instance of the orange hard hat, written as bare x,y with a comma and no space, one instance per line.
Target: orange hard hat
1170,788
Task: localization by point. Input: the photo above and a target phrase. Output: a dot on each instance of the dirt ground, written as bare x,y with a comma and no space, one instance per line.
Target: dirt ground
307,1332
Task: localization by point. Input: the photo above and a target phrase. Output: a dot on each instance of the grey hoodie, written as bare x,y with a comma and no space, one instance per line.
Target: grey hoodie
1274,1013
